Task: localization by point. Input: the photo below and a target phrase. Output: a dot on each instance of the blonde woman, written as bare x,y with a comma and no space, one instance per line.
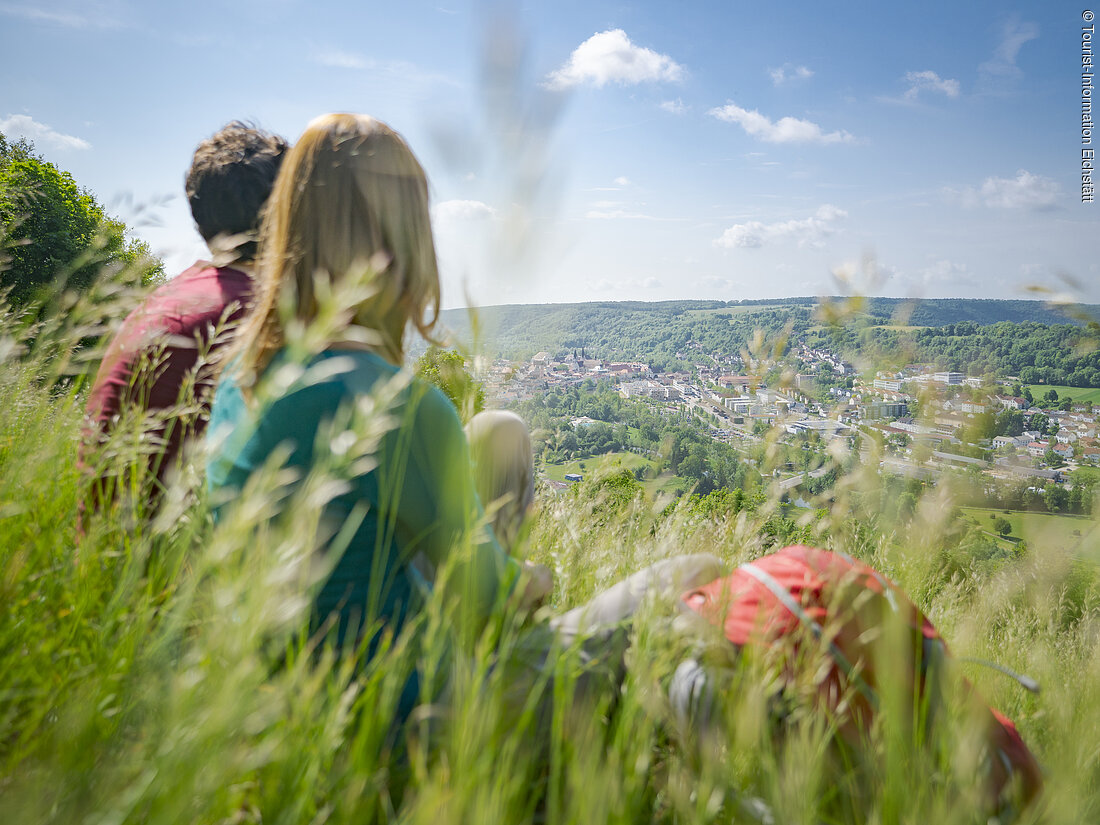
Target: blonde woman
351,206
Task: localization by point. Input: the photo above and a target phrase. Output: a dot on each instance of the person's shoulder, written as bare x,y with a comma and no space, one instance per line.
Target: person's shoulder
433,399
436,415
365,372
204,288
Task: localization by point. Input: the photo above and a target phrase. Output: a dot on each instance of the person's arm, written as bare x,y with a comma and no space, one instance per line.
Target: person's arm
439,494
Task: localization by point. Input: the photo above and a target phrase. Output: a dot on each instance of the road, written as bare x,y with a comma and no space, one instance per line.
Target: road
791,483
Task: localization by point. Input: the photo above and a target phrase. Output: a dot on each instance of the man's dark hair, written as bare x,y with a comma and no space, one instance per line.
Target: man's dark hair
229,181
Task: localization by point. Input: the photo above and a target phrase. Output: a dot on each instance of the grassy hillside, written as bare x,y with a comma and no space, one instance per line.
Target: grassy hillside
159,670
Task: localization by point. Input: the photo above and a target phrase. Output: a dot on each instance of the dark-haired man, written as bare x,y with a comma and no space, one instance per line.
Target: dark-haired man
156,373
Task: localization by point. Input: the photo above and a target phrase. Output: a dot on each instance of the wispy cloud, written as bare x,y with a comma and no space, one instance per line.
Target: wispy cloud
1025,191
715,282
395,71
617,185
72,15
462,210
606,285
810,231
341,60
929,81
605,214
675,107
944,274
784,130
610,57
1014,34
22,126
788,73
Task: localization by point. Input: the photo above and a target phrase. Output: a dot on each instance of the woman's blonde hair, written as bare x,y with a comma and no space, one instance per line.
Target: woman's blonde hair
351,199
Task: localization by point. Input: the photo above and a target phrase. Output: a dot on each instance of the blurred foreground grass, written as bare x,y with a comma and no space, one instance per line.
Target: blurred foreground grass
161,671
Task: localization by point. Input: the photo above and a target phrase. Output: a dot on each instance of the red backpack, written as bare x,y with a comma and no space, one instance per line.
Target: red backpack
837,599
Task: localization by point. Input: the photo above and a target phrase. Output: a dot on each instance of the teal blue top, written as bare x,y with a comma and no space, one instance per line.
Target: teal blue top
408,509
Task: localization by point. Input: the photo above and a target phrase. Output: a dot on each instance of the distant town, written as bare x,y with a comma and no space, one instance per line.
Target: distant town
926,420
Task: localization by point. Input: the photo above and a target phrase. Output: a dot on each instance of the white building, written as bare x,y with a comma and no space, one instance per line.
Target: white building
949,378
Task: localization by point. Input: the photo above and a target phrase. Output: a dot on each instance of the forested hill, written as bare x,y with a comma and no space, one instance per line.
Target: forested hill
639,329
939,312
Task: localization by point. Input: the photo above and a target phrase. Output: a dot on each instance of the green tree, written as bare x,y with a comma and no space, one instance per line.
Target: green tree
447,370
907,505
1009,422
1002,526
50,227
1056,498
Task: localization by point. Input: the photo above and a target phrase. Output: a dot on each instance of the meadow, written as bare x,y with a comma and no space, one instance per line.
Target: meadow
654,483
1082,395
158,669
1045,532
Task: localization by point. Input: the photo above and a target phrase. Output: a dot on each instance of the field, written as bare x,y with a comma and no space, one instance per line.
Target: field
1045,532
1082,395
655,486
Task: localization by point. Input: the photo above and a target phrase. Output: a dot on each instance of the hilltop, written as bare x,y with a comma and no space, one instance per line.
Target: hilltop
628,328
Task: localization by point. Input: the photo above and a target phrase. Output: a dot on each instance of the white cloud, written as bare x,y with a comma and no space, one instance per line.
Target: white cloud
944,273
652,283
715,282
394,73
929,81
462,210
610,57
1014,34
17,126
806,232
788,73
784,130
621,181
617,214
674,107
1025,191
85,16
341,60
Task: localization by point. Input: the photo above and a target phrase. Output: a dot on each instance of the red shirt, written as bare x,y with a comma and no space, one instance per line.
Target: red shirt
154,356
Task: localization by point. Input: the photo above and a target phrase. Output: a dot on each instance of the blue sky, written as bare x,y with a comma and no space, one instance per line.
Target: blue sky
612,150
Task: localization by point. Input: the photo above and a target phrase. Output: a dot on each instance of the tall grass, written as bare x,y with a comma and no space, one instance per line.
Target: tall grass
161,669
